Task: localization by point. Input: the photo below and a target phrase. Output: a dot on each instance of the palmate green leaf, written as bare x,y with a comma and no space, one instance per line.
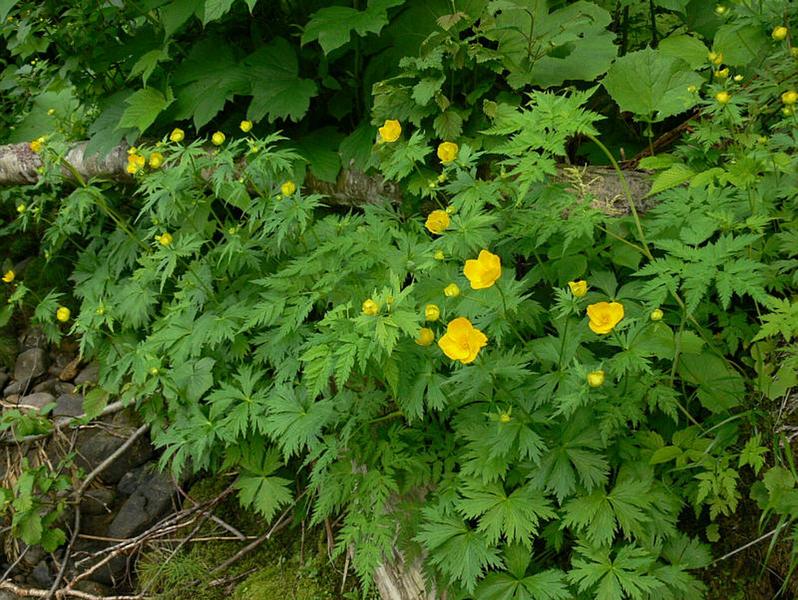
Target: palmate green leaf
332,26
625,576
265,493
144,106
176,13
515,517
215,9
652,84
461,553
546,585
295,420
277,90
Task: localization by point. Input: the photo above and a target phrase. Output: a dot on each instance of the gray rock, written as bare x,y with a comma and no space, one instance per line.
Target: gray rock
30,364
41,575
63,387
97,501
33,555
95,445
6,595
144,507
3,378
13,388
136,478
38,401
34,338
89,374
45,386
68,405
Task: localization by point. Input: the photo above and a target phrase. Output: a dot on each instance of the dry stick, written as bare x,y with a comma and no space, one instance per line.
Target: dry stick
34,593
14,564
112,408
79,494
751,543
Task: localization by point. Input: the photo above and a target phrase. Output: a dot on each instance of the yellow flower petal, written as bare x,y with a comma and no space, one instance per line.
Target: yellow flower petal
390,131
437,221
484,271
604,316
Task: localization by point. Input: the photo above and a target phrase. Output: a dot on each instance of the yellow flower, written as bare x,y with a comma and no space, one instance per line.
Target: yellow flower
720,10
715,58
132,150
692,89
723,97
9,276
165,239
156,160
217,139
36,145
390,131
505,418
779,33
432,312
425,336
462,341
484,271
595,378
447,151
604,316
246,126
722,73
437,221
657,314
790,97
132,168
177,135
738,78
451,291
370,307
63,314
439,255
21,208
154,370
578,288
288,188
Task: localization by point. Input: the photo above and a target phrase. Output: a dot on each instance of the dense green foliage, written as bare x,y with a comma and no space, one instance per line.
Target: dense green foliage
261,328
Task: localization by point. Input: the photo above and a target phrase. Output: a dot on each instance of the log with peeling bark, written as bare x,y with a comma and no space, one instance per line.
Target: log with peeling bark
19,166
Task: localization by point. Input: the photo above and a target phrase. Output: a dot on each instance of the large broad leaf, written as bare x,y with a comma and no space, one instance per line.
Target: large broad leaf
690,49
651,84
572,43
214,9
5,8
143,108
740,45
720,387
333,26
175,14
277,90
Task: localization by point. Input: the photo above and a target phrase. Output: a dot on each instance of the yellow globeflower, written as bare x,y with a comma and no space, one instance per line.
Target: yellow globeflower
432,312
63,314
217,139
722,73
246,126
604,316
21,208
439,255
790,97
9,276
437,221
484,271
451,290
425,336
36,145
156,160
177,135
165,239
779,33
657,314
370,308
595,378
715,58
390,131
505,418
288,188
578,288
447,152
462,341
723,97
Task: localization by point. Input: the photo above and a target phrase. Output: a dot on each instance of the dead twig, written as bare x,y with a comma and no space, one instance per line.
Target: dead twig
75,422
34,593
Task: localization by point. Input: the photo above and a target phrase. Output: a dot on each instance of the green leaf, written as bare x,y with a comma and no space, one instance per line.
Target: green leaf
146,64
448,125
332,26
686,47
94,402
175,14
277,90
29,527
215,9
675,175
52,538
546,585
257,486
665,454
740,45
613,579
720,387
143,108
651,84
5,8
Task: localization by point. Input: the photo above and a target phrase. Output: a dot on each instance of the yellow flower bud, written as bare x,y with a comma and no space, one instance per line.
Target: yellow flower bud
720,10
439,255
722,73
787,111
595,378
217,139
437,221
177,135
100,310
425,336
132,150
715,58
63,314
505,418
36,145
9,276
370,308
21,208
447,152
154,370
165,239
451,290
288,188
432,312
132,168
246,126
779,33
657,314
51,112
723,97
390,131
156,160
790,97
578,288
738,78
692,89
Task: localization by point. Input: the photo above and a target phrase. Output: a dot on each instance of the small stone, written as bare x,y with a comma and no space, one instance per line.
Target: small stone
30,364
89,374
45,386
63,387
13,388
143,508
70,371
41,575
37,401
68,405
3,378
95,445
97,501
12,399
33,337
33,555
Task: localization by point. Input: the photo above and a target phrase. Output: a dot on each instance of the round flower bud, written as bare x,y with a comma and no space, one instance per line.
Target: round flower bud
177,135
439,255
447,152
505,418
425,336
21,208
9,276
63,314
165,239
154,370
721,9
692,89
451,290
723,97
432,312
657,314
246,126
779,33
790,97
595,378
217,139
738,78
370,308
578,288
156,160
288,188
